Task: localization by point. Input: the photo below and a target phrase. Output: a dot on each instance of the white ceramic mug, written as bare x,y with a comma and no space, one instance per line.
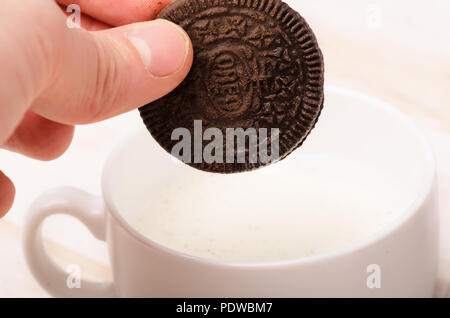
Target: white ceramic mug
353,125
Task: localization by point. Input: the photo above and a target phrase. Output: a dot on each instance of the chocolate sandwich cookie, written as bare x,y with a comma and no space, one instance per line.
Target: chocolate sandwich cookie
256,84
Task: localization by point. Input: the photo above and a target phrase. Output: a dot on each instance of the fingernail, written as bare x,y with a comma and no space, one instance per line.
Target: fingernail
162,46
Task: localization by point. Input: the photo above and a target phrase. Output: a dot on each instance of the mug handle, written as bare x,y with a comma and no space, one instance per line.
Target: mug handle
85,207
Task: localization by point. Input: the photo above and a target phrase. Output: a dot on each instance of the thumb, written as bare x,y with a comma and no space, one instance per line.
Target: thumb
97,75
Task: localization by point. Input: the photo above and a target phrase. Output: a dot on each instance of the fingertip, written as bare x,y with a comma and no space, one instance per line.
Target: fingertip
7,194
163,46
40,138
155,57
61,140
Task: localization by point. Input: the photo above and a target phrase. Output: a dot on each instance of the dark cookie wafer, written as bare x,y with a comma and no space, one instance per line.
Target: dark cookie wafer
257,64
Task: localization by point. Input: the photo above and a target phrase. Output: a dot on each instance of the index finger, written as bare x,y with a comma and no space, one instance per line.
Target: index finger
120,12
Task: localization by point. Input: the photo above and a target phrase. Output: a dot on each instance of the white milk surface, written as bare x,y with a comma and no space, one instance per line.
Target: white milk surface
292,209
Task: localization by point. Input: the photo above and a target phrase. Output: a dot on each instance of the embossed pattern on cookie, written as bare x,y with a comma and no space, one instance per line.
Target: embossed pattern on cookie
257,65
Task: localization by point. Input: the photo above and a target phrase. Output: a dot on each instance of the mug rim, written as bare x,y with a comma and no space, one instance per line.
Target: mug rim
392,227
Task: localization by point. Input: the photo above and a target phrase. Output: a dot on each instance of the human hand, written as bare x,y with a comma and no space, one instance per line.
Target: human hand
53,77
